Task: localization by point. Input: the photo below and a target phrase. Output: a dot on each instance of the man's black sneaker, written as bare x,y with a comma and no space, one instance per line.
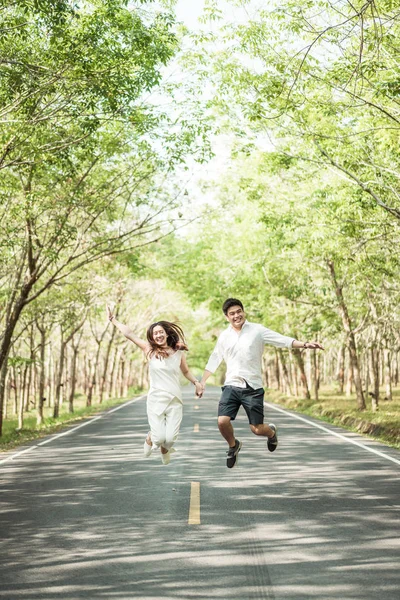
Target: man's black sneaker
232,453
273,442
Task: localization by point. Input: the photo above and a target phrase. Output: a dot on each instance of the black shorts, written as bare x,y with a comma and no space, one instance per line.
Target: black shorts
234,397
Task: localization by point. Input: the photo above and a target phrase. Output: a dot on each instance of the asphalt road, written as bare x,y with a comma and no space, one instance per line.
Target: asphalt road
83,515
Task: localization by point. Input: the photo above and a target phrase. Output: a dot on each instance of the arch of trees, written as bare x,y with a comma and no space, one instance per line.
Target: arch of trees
304,223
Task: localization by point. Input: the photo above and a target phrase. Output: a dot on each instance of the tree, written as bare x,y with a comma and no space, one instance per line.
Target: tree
320,85
83,174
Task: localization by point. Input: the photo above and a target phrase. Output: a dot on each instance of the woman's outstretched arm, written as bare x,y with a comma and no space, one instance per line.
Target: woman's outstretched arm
126,331
189,375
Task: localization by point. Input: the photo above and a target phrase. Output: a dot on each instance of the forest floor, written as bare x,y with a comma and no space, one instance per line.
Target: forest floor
382,425
12,438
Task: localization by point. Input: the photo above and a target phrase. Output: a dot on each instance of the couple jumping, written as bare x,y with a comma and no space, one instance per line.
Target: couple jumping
241,346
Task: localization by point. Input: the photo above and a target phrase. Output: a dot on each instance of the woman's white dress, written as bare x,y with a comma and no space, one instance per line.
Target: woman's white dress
164,400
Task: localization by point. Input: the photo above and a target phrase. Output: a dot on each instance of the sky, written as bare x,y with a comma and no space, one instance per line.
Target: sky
189,11
210,173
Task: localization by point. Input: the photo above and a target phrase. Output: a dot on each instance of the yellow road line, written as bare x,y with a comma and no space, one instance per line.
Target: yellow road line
196,428
194,508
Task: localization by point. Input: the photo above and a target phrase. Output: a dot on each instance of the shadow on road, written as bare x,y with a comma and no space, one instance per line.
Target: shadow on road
88,517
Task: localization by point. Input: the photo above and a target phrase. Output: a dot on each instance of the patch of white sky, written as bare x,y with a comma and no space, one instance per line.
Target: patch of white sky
200,180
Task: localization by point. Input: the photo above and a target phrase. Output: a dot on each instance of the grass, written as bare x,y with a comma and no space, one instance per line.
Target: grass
383,425
11,438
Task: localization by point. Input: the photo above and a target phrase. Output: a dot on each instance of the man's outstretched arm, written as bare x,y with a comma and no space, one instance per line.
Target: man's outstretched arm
206,375
307,345
212,365
282,341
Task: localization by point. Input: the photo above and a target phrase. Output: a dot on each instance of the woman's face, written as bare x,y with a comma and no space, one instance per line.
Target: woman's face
159,335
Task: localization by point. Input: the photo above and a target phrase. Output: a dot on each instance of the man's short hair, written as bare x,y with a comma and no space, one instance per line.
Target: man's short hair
229,303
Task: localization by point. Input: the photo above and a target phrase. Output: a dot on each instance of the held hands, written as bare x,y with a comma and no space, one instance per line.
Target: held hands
199,389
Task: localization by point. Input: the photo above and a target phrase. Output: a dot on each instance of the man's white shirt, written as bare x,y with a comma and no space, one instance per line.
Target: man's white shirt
242,352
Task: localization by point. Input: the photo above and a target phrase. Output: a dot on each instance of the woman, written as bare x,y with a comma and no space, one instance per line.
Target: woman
164,349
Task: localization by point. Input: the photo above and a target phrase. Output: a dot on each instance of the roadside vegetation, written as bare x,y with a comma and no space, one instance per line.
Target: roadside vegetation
383,426
13,436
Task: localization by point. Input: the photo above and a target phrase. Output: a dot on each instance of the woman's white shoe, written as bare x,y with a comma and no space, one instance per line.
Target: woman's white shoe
146,448
165,458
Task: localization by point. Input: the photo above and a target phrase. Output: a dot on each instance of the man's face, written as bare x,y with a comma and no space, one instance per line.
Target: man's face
236,316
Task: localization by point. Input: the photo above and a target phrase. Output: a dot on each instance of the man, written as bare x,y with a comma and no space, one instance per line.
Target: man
241,346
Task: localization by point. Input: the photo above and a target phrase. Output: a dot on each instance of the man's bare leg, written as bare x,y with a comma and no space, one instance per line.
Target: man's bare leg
268,431
263,430
226,430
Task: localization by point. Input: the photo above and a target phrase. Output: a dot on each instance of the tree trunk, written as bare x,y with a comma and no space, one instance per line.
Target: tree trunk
93,384
350,379
15,380
42,377
265,371
115,374
30,370
86,373
388,374
276,371
303,378
112,374
285,372
340,368
3,379
65,383
105,366
50,377
122,377
376,378
127,378
28,387
35,390
315,374
59,379
143,374
73,379
293,371
13,315
93,379
367,377
351,337
21,398
396,369
91,376
7,393
270,369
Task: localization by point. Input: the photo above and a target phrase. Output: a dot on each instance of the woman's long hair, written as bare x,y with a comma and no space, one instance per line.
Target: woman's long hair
175,339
